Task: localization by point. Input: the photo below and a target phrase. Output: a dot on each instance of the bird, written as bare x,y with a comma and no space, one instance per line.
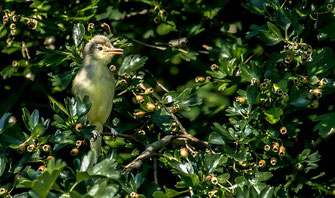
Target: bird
95,80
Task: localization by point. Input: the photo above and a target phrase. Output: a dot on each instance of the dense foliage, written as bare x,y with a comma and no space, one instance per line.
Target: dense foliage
213,99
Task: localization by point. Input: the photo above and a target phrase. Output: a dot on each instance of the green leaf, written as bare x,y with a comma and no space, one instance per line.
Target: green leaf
131,64
106,168
323,62
263,176
298,97
103,189
252,93
267,192
326,123
3,162
215,138
273,115
88,161
163,120
250,72
166,28
62,80
3,31
329,30
4,121
36,125
212,161
44,182
111,13
272,36
78,33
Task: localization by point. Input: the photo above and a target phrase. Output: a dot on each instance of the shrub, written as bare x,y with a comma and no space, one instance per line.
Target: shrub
209,103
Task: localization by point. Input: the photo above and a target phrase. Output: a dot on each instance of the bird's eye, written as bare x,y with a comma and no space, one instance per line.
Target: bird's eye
100,48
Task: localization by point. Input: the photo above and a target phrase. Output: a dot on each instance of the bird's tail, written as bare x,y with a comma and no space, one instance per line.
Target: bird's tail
97,144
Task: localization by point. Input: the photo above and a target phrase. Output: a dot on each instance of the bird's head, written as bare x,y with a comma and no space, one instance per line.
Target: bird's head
100,49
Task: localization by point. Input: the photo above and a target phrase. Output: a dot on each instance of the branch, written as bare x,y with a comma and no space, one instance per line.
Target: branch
150,151
152,148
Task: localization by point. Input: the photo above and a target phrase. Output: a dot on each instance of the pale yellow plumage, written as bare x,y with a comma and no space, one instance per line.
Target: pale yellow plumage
95,80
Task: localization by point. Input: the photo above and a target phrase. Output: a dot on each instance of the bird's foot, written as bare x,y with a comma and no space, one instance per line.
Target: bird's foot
96,134
113,132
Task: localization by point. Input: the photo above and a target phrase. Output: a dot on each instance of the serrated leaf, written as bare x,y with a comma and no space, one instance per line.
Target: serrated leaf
273,115
44,182
326,123
4,121
272,36
131,64
78,33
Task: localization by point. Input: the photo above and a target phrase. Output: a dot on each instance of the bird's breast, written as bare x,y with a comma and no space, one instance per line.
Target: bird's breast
99,84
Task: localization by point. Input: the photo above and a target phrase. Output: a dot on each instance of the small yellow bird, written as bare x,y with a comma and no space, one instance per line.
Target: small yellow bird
95,80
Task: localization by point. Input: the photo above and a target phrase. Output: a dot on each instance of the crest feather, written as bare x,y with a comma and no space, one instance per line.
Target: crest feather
97,39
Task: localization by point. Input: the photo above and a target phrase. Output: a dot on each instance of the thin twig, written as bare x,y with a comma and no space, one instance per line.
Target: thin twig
104,25
158,83
196,140
155,171
122,92
125,136
182,129
145,44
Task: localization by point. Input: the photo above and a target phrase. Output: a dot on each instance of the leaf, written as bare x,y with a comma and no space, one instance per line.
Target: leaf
62,80
326,123
212,161
3,31
273,115
252,93
298,97
165,28
103,190
44,182
267,192
131,64
256,6
323,62
3,162
4,121
328,29
88,161
106,168
272,36
249,72
263,176
36,125
163,120
78,33
215,138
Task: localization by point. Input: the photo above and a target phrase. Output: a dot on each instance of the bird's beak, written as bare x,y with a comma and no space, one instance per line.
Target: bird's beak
114,51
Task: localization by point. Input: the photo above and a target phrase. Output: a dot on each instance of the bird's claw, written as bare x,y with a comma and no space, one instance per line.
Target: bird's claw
96,134
113,132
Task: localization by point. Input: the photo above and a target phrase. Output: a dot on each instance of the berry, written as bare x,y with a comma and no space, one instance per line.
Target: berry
283,130
273,161
282,151
214,180
150,106
139,98
74,151
46,148
183,152
79,127
261,163
41,168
